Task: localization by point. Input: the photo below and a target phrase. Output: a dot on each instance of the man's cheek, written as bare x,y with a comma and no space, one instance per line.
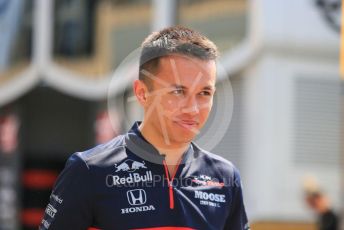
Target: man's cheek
171,108
206,105
204,114
173,112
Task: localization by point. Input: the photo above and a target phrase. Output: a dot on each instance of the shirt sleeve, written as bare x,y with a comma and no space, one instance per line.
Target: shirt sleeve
70,205
237,219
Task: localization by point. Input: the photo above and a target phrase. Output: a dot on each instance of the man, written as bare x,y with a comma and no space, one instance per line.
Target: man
154,177
320,204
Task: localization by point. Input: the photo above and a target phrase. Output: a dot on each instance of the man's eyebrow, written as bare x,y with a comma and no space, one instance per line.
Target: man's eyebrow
178,86
208,87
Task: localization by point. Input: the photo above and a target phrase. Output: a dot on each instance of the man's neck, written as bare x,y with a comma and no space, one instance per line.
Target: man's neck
172,151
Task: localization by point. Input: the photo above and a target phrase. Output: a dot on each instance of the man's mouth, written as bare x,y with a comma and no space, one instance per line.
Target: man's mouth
188,124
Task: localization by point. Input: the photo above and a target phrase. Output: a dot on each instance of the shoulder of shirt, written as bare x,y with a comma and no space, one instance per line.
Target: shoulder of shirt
96,154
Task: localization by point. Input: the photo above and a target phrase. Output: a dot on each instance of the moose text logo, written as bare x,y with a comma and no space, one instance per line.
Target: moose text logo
210,199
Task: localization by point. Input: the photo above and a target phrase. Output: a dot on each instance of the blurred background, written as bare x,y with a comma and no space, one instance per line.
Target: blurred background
281,57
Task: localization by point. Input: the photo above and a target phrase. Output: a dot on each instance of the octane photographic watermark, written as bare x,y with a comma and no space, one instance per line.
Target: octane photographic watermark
121,99
132,181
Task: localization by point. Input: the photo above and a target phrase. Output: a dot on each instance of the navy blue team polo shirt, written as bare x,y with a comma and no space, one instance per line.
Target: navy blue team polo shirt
125,184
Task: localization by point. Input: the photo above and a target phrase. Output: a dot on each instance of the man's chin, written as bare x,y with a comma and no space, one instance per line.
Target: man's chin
184,138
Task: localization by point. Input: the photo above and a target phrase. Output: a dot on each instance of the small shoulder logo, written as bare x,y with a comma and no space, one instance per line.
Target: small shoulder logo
204,180
130,166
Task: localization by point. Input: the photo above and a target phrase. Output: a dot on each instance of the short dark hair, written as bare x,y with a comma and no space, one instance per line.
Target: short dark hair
174,40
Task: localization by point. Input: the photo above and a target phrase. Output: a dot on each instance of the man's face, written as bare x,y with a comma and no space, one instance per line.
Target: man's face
180,97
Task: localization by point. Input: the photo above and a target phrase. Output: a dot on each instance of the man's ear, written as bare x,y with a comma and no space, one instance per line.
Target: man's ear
140,91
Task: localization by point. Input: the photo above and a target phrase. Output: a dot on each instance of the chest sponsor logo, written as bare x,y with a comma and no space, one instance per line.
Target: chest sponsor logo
138,209
204,180
136,172
130,166
114,180
210,199
137,198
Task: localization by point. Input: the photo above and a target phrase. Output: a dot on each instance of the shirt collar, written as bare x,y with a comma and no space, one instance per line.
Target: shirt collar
138,145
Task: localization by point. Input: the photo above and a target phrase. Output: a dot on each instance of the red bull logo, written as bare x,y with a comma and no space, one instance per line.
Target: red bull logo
114,180
130,166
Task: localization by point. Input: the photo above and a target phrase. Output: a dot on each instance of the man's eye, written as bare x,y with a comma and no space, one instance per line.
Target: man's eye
205,93
178,92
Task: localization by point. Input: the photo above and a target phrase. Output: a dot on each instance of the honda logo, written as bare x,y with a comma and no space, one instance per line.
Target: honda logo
136,197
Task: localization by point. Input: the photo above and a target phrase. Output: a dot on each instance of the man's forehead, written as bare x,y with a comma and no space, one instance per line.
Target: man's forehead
185,72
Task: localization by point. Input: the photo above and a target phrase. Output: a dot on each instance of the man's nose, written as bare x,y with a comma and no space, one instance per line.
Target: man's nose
190,106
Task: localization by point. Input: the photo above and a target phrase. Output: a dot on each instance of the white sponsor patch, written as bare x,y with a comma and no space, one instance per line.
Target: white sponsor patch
56,198
113,180
130,166
45,223
137,209
210,199
137,197
51,211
